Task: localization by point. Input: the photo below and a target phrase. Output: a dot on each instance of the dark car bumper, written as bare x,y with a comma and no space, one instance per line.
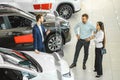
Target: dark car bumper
66,35
68,39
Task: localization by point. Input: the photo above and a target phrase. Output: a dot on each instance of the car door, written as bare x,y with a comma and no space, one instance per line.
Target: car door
15,26
21,29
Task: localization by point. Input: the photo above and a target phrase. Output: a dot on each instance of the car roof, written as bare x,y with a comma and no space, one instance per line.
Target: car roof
4,64
5,51
10,51
6,9
1,53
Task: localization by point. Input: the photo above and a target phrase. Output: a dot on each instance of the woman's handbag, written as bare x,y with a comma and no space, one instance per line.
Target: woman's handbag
103,51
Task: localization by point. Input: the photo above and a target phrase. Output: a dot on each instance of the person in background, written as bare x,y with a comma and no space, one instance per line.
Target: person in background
83,31
99,44
39,34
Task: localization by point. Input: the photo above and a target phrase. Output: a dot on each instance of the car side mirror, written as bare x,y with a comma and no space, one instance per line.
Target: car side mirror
56,14
25,78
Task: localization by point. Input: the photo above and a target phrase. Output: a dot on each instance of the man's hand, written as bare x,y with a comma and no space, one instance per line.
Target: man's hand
48,32
78,36
36,51
88,39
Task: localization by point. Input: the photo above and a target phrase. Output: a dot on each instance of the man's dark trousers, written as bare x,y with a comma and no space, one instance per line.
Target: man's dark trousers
79,45
42,49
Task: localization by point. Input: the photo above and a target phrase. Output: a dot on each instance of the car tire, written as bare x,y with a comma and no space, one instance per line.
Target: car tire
65,11
53,43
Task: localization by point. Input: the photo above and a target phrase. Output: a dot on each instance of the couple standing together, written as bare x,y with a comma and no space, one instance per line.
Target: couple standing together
83,31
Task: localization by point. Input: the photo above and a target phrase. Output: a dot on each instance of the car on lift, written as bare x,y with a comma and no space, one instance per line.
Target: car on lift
27,65
16,29
65,8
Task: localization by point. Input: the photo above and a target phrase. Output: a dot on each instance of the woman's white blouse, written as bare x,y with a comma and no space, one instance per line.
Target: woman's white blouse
99,36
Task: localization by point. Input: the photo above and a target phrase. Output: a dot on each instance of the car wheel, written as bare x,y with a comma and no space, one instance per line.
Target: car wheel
65,11
54,43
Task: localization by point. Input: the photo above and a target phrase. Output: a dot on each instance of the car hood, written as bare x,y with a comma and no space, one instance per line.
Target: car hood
45,60
47,63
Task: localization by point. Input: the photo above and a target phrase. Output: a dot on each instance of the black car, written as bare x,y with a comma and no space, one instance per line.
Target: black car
16,29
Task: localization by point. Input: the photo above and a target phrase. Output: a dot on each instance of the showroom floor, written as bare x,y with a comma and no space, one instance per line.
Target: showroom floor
108,12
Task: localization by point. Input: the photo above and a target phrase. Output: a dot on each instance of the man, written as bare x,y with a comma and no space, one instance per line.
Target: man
83,31
39,34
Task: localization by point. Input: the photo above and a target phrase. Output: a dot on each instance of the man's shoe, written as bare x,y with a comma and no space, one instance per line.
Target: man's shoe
98,76
94,70
84,67
72,65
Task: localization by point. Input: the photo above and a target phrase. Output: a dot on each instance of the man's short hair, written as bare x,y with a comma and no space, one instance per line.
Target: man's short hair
38,16
85,15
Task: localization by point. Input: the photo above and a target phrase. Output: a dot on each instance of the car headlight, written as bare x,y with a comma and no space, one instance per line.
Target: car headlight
67,75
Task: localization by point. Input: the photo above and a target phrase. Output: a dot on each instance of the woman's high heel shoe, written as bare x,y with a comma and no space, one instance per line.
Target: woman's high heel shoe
98,76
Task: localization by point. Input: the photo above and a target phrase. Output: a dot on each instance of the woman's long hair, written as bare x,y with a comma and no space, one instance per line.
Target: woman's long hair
101,24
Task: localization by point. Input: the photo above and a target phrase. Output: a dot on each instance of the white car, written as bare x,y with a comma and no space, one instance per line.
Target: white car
65,8
27,65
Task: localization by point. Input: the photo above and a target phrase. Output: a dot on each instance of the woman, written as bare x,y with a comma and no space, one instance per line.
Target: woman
99,44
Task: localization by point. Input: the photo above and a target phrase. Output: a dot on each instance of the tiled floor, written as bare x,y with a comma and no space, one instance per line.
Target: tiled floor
107,11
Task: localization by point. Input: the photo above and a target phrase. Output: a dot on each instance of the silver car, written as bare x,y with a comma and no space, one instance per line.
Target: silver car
28,65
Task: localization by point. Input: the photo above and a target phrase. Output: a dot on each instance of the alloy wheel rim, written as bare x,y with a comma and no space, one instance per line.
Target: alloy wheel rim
65,12
55,43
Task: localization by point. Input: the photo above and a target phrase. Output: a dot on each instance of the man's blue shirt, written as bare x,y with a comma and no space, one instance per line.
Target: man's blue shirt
84,30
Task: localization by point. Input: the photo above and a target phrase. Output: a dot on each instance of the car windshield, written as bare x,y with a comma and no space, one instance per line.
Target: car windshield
18,59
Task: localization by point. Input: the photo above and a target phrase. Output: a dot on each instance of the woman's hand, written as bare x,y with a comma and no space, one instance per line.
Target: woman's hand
90,38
